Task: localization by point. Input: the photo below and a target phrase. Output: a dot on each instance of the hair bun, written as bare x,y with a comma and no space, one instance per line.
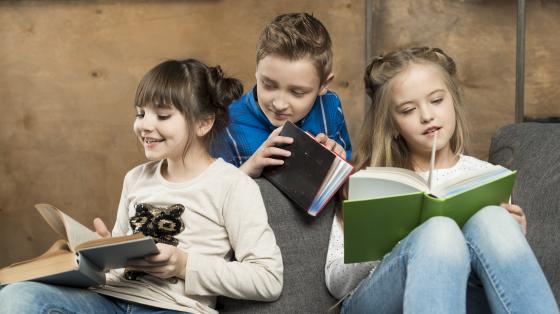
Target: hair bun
226,89
217,73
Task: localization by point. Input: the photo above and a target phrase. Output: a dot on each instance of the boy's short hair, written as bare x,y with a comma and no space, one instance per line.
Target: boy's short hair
295,36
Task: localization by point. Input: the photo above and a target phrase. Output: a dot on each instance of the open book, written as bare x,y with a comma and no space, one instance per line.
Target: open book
385,204
311,175
81,258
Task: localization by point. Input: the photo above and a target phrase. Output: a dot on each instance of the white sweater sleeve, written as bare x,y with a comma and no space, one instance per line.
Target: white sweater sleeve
121,223
342,278
257,272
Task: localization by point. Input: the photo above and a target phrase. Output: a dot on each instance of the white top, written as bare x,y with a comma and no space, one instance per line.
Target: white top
343,278
224,218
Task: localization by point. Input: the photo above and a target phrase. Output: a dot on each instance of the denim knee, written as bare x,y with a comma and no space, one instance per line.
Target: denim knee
440,237
493,228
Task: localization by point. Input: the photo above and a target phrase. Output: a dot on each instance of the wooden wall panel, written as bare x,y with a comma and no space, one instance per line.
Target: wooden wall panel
69,69
68,73
542,63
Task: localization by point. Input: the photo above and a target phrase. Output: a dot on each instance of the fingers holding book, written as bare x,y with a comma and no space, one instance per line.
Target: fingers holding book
331,144
268,154
169,262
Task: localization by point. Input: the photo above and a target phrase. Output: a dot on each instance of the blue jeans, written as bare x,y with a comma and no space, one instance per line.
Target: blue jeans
35,297
439,268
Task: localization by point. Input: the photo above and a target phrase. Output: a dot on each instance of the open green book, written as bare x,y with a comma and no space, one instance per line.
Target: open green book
385,204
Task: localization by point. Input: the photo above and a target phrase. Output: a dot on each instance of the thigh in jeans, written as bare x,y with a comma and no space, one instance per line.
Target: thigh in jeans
35,297
426,272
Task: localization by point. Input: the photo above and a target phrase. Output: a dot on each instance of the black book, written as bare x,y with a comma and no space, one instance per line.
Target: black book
311,175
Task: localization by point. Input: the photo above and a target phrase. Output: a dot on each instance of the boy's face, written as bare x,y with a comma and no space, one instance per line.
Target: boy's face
286,90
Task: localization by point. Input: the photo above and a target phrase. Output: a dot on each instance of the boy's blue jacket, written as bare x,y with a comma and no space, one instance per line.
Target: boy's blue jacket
249,127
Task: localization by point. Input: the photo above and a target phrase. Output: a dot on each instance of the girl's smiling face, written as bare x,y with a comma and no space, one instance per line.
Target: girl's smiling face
421,104
163,132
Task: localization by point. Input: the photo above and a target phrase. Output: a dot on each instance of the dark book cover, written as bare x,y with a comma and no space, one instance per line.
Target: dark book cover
303,173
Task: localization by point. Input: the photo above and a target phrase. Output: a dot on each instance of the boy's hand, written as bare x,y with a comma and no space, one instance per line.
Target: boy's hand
266,154
518,214
331,144
100,228
169,262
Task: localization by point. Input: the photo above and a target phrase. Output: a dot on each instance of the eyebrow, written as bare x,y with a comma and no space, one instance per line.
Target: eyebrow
304,88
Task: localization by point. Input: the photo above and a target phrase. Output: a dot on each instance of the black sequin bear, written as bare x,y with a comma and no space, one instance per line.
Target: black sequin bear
161,223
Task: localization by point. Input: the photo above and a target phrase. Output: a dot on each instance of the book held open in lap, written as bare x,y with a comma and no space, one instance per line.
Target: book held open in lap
385,204
311,175
81,258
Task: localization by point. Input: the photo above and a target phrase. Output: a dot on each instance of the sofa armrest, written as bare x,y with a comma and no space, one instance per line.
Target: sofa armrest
533,149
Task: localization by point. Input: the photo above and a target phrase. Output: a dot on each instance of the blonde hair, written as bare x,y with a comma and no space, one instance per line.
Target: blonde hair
295,36
377,145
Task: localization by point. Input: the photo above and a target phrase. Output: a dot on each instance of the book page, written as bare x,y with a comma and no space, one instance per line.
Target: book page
469,180
59,247
339,171
77,233
53,218
71,230
384,181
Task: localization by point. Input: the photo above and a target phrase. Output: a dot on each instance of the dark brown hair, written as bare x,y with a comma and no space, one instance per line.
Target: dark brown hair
295,36
195,89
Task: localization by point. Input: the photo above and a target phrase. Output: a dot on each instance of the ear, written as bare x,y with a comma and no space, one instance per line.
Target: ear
204,125
325,87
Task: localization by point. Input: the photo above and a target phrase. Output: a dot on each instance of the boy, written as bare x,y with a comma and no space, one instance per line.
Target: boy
294,69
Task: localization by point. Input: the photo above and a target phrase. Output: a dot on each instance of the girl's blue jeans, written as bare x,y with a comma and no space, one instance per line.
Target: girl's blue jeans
35,297
439,268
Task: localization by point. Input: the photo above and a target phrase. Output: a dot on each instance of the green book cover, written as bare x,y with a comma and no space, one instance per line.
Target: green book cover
373,226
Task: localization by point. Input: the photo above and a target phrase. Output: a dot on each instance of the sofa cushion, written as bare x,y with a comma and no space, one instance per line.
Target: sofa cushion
533,149
303,241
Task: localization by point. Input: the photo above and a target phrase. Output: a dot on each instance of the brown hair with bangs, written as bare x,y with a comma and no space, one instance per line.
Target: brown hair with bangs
295,36
198,91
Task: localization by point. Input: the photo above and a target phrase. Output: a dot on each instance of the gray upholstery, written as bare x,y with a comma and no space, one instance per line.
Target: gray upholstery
533,149
303,241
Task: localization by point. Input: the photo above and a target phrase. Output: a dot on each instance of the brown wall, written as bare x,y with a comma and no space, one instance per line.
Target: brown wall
68,73
69,69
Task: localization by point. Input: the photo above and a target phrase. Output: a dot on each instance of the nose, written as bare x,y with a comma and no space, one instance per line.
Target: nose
426,114
279,103
145,124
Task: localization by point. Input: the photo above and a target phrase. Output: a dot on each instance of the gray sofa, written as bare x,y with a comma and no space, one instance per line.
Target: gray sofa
531,148
303,241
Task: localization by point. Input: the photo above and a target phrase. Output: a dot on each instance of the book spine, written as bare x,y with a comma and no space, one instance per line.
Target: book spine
89,270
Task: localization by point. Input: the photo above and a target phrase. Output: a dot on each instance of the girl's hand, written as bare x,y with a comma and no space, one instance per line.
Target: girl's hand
331,144
266,154
518,214
169,262
101,228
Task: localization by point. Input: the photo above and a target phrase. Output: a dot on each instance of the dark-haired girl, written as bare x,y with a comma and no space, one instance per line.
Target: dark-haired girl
207,216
